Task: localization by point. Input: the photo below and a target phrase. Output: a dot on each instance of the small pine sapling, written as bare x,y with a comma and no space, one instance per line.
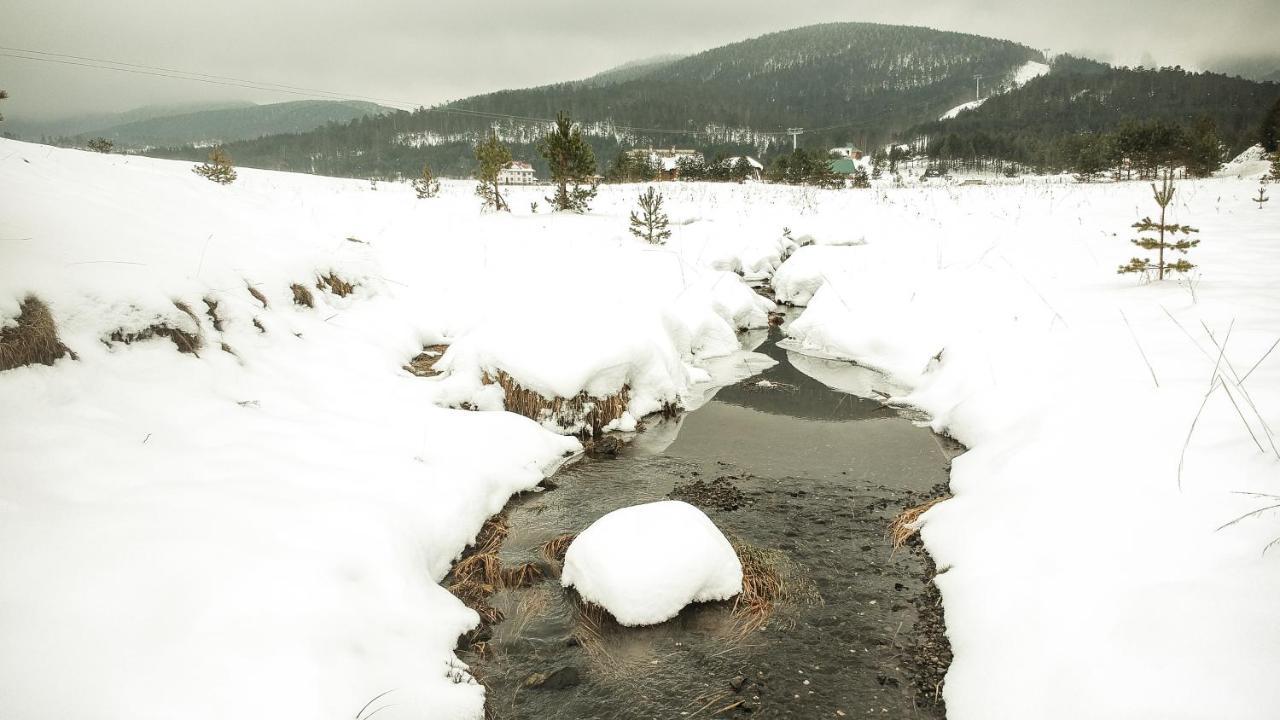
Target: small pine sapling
1262,196
651,224
101,145
218,169
426,186
1166,232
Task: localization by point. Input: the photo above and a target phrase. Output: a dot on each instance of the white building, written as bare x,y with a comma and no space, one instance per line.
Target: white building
756,168
516,172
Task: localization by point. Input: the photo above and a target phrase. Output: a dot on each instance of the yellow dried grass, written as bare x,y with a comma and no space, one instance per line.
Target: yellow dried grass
586,414
33,340
904,526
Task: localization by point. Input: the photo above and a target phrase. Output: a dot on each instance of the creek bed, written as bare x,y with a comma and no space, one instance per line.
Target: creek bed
787,465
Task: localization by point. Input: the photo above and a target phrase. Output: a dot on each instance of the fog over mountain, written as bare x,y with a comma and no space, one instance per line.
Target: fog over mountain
422,53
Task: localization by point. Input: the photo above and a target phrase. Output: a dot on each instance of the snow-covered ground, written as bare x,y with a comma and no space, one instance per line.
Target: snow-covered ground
262,530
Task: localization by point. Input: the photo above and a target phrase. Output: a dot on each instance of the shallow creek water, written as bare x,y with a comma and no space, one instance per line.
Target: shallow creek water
821,472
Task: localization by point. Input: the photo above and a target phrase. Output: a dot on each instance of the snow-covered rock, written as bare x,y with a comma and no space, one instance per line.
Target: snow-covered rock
646,562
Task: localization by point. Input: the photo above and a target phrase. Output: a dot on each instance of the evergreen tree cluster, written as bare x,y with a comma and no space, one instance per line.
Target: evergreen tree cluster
1082,114
803,167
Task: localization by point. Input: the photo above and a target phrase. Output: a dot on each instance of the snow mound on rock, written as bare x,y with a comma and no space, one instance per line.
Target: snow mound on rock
646,562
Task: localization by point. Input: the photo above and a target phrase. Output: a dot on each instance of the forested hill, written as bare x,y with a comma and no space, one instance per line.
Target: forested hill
844,82
1080,96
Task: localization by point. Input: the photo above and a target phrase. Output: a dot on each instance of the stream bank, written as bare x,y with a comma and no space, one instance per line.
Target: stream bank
784,464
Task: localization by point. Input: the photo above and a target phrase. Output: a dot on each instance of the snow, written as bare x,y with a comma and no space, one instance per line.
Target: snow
1029,71
806,270
267,527
190,536
1024,74
962,107
646,562
1085,573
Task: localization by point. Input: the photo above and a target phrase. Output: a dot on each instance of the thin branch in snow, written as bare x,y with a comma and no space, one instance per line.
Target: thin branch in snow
1249,514
1141,352
1264,357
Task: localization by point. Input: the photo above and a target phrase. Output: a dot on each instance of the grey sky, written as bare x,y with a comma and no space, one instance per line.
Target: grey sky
426,51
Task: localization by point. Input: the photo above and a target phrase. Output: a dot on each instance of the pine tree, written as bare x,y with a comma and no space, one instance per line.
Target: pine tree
573,165
651,224
491,157
1204,148
1275,167
1163,196
3,96
1269,134
101,145
218,169
426,186
1262,196
860,180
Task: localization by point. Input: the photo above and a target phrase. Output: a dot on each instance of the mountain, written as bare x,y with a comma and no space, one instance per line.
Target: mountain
211,127
1079,96
631,71
89,123
204,125
1260,68
845,82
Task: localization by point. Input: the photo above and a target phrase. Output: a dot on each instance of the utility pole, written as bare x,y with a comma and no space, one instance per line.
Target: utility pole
794,133
977,87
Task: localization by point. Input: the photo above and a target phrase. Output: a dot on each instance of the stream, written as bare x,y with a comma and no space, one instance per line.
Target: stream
781,461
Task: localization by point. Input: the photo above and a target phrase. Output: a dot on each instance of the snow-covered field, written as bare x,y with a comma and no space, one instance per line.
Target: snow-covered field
261,531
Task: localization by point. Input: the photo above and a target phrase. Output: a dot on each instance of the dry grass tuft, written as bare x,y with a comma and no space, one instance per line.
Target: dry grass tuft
424,364
903,527
211,309
769,580
480,574
257,295
584,414
33,340
302,296
183,340
521,576
555,548
334,284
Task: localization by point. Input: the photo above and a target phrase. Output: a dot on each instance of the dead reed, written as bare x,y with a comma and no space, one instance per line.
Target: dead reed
585,415
34,339
904,526
334,284
302,296
424,363
185,341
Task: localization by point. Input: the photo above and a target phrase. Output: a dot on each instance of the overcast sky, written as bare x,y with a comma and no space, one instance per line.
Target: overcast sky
426,51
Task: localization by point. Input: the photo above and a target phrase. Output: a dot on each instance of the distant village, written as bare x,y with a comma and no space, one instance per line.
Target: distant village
846,162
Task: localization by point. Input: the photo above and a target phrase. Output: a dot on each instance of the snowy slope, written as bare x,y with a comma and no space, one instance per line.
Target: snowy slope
262,533
260,527
1085,568
1024,74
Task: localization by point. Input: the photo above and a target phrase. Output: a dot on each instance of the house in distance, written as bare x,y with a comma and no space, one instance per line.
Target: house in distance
517,172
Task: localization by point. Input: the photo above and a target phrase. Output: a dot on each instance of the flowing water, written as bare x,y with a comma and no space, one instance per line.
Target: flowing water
806,473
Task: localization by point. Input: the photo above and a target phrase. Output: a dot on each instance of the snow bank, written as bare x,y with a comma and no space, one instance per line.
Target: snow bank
264,523
805,271
1086,569
644,563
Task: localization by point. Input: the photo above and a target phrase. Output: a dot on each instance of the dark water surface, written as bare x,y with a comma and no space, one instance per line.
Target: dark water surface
821,473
